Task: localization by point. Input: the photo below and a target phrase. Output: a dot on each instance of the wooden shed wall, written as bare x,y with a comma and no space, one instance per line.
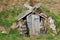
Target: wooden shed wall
33,22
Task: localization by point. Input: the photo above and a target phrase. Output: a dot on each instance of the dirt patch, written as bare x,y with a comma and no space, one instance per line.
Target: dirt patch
3,30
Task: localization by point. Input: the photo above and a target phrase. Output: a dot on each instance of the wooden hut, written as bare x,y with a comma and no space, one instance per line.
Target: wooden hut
31,21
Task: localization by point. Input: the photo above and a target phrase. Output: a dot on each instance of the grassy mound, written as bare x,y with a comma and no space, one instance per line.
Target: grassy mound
9,16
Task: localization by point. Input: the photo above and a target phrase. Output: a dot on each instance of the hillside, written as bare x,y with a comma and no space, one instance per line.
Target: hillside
10,9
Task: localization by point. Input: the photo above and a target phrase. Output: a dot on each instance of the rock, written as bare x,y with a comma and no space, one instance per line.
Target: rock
14,26
3,30
52,24
43,30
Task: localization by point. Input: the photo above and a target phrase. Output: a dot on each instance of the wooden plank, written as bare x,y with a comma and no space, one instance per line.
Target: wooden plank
21,15
30,7
33,24
29,23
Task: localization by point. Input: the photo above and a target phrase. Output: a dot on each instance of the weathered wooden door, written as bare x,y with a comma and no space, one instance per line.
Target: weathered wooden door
33,22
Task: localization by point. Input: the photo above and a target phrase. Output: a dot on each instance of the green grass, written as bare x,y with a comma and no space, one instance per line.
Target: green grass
9,16
13,35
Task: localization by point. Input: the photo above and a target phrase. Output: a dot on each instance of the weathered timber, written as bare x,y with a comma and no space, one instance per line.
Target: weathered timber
22,15
33,24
